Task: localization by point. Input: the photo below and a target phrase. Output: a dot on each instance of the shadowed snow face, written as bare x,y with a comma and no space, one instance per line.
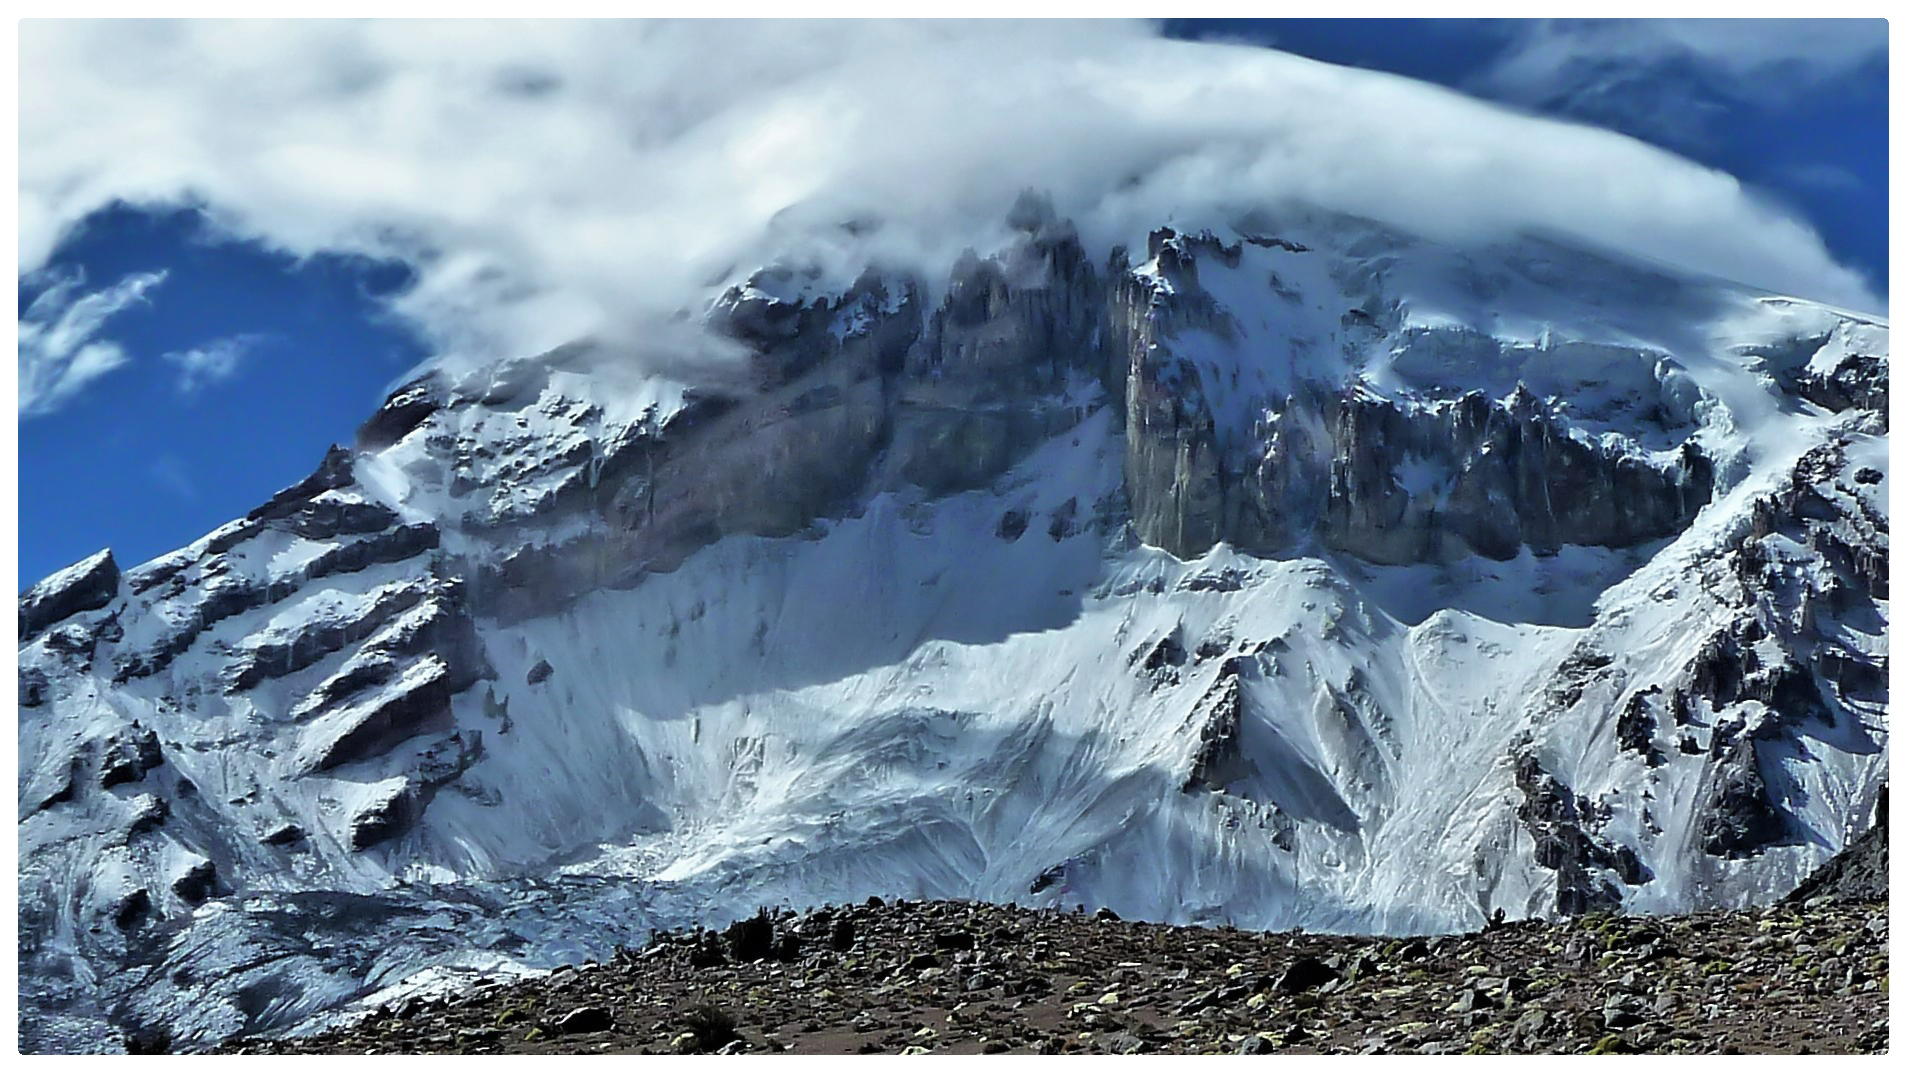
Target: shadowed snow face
551,181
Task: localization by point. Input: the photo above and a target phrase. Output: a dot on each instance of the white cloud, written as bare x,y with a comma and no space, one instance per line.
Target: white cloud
550,180
61,350
213,362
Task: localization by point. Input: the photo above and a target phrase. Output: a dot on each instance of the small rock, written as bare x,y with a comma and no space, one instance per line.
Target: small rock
1621,1011
954,940
288,834
1473,999
1531,1022
1305,973
199,882
584,1020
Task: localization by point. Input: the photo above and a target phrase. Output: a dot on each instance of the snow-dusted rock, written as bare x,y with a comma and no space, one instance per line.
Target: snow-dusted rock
88,584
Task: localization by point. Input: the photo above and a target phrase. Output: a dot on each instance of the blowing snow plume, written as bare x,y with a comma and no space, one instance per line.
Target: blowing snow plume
556,181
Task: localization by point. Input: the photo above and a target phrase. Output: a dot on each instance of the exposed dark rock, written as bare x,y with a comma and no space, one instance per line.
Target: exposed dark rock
148,1039
258,662
149,813
393,714
1512,476
1012,524
1305,973
328,517
406,408
33,686
1556,821
1161,662
1576,672
1602,985
219,599
954,940
539,673
199,882
337,470
127,759
1064,520
1047,878
1853,676
1858,873
1859,381
287,834
1739,817
1622,1010
384,819
446,761
89,584
74,641
395,545
131,910
588,1018
1635,727
1220,713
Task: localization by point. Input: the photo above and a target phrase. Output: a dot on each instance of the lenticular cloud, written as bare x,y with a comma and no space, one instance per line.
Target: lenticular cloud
556,180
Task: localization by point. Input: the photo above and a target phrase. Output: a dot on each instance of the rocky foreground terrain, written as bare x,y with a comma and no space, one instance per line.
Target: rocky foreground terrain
945,977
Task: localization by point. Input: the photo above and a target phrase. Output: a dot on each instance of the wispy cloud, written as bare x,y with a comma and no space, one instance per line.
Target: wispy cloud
171,472
61,345
1827,178
1671,79
202,366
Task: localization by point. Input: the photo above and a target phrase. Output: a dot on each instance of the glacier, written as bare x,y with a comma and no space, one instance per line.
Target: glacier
1290,572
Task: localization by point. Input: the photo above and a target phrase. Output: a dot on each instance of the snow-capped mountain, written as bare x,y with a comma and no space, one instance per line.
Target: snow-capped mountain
1291,572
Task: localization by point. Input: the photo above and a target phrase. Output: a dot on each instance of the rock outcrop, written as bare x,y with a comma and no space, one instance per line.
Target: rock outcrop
86,585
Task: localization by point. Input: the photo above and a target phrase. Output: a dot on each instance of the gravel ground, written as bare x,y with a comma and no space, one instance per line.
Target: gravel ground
941,977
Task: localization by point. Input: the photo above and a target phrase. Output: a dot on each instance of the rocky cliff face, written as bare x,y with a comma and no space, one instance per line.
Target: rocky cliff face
1267,579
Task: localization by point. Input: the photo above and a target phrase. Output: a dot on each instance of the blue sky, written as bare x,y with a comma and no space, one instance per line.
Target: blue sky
160,450
179,376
